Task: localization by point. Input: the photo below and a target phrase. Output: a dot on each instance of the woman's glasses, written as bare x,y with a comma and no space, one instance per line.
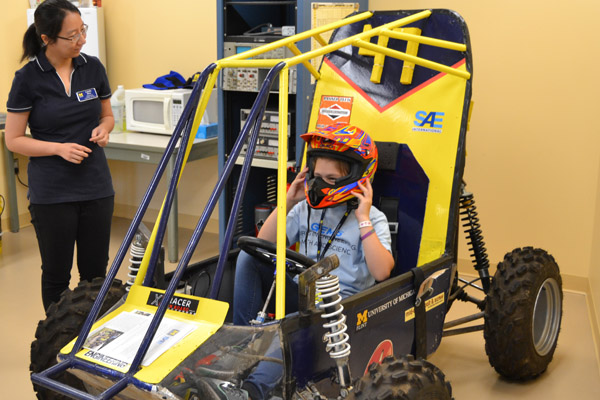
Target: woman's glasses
75,38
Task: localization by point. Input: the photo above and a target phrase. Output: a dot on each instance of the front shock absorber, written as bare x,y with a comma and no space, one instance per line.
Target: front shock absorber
470,219
137,250
328,287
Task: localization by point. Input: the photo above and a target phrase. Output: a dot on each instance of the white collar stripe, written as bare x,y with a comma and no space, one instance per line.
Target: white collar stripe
38,63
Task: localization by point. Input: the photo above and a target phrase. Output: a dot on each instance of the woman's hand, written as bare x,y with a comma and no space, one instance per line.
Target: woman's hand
365,200
73,152
100,136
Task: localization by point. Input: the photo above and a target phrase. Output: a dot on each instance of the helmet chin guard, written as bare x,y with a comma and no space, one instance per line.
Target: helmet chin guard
341,142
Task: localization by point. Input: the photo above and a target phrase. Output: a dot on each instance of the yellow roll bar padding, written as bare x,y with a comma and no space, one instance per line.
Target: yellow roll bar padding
416,60
417,38
379,58
298,37
266,63
320,39
281,195
412,48
212,79
351,41
296,51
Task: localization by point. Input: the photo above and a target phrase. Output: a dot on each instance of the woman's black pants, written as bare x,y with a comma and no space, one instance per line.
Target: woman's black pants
61,227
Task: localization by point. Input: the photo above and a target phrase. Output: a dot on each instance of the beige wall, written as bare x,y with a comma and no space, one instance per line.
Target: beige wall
146,39
12,19
534,144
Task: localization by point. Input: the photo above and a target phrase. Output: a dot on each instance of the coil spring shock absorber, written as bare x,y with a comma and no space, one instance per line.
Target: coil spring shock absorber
137,250
337,346
470,219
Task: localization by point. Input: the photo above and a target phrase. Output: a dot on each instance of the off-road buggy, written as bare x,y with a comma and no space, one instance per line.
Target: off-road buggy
405,77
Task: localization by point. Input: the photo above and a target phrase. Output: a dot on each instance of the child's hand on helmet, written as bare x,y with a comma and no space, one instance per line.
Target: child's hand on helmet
365,200
295,192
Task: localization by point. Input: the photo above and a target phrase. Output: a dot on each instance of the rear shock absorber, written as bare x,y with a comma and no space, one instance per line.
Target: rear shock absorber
328,287
470,219
137,250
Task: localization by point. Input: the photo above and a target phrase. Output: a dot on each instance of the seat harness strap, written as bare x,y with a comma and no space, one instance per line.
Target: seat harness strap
420,347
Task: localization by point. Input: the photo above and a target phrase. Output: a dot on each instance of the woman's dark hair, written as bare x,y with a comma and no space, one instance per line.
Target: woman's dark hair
48,20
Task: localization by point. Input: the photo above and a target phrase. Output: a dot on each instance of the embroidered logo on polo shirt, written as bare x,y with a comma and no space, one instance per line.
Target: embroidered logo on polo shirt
87,94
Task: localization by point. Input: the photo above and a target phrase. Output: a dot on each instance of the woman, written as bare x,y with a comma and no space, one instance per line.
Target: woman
63,95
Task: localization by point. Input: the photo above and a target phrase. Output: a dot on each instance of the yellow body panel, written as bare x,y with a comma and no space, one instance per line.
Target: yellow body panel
209,317
430,148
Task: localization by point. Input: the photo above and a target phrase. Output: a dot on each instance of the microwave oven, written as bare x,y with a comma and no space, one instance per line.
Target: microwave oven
154,111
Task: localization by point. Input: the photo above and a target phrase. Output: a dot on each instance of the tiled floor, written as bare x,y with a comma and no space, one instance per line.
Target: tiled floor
574,371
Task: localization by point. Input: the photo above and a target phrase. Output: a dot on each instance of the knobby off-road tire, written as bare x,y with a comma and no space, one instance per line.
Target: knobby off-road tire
63,322
403,378
523,314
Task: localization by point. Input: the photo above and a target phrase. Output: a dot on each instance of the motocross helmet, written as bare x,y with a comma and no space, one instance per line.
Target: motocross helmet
342,142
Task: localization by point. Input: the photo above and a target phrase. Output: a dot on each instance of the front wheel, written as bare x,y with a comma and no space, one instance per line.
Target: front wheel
63,322
403,378
523,314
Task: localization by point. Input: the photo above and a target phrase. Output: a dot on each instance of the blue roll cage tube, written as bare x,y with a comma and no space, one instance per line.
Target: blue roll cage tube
182,130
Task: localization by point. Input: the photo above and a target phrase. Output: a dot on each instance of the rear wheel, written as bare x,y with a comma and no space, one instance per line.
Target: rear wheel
523,314
63,322
403,378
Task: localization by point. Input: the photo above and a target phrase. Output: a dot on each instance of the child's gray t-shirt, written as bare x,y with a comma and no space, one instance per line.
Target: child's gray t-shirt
352,272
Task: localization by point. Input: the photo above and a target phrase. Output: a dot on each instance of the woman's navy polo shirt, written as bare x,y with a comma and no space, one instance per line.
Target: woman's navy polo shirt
57,116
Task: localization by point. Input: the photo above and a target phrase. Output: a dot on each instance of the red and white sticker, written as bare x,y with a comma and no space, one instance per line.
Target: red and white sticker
384,349
334,109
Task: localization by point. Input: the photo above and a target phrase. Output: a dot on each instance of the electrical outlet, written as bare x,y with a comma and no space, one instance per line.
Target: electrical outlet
16,165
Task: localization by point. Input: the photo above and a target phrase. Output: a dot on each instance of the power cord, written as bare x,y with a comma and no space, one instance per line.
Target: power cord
21,182
259,31
16,166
